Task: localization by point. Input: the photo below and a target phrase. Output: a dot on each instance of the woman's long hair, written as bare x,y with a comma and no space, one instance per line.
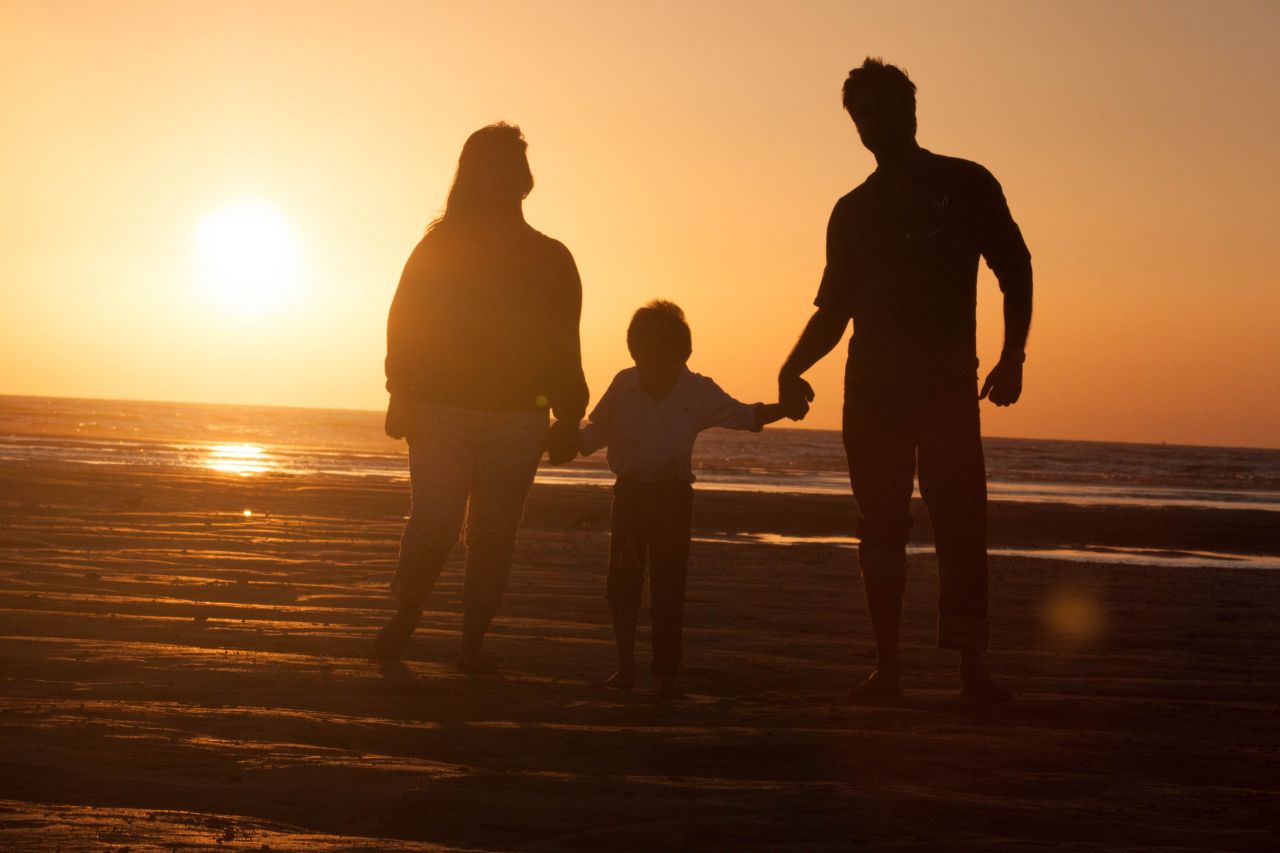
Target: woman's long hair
493,171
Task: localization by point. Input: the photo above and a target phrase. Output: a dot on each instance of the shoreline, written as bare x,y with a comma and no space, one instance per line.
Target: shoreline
1185,525
585,506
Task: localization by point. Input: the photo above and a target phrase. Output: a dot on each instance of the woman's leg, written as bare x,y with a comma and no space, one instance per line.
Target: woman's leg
440,471
505,463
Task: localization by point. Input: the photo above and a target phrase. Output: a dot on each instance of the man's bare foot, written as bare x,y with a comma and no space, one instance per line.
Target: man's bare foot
475,664
668,686
976,682
984,688
620,680
881,684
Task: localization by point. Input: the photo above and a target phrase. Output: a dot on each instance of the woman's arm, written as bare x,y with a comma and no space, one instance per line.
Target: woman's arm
403,320
403,356
569,394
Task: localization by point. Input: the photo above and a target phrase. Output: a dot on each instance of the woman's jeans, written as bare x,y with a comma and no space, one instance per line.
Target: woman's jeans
473,465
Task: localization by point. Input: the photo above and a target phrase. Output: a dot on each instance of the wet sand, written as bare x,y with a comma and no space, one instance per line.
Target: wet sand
177,675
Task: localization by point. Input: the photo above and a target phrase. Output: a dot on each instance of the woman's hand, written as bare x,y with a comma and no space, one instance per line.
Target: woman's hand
400,417
564,441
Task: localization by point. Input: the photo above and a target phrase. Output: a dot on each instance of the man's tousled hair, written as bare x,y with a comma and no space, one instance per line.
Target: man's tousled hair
875,70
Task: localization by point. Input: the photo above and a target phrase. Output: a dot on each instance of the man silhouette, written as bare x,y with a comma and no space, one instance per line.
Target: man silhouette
902,264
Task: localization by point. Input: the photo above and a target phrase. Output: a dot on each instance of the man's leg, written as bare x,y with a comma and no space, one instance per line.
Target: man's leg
953,483
668,571
880,443
439,476
506,460
628,547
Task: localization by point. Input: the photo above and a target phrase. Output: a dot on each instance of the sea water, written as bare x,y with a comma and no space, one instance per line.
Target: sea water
253,440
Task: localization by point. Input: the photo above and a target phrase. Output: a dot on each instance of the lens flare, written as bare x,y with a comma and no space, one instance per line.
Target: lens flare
1074,616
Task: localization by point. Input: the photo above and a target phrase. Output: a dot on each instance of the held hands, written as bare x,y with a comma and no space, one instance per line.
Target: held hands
400,417
564,442
794,395
1003,385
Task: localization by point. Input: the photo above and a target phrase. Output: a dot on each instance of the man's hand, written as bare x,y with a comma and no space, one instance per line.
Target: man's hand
1004,383
400,417
794,395
564,441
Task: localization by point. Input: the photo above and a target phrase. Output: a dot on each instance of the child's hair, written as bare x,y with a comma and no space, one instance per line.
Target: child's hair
658,329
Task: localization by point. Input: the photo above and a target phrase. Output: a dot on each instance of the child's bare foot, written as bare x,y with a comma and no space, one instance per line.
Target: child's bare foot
620,680
881,684
668,686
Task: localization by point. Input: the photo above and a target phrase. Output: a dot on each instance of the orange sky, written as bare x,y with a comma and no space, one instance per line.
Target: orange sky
685,151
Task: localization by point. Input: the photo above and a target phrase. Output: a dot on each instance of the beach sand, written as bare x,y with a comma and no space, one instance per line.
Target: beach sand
176,674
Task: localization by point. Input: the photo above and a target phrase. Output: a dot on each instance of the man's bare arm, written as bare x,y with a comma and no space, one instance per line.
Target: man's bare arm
1017,311
823,331
1003,385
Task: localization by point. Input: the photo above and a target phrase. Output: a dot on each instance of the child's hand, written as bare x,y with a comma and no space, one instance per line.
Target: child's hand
794,407
563,442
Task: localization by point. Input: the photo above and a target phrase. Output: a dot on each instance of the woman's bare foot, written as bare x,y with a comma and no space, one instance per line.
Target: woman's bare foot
881,684
393,638
620,680
475,664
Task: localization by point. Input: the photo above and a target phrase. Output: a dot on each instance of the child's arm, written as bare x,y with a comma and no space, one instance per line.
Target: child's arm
720,409
592,437
767,413
595,434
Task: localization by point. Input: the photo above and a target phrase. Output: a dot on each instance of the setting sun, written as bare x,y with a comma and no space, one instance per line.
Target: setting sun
248,257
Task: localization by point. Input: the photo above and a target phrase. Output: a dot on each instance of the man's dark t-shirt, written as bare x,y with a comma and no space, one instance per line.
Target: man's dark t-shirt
902,260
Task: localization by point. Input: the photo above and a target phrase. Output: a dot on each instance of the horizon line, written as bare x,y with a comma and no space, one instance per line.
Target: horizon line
4,395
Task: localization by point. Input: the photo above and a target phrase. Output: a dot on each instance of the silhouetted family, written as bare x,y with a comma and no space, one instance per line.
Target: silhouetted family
482,341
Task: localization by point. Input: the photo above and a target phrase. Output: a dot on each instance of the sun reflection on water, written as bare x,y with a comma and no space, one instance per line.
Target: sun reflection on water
242,459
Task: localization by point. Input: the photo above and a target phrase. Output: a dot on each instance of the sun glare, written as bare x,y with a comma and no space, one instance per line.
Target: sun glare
248,256
242,459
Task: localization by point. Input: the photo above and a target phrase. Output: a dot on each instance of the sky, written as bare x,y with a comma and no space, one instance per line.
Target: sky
213,202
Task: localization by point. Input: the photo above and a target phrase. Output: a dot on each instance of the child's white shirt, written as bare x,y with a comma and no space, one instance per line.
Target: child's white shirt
651,440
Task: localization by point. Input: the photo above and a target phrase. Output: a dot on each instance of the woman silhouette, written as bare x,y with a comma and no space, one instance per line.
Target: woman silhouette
482,339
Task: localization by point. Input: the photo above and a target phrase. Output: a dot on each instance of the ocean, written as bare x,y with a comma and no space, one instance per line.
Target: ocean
253,440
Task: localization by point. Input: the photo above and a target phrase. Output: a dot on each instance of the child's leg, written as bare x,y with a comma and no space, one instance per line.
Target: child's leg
668,565
627,547
624,636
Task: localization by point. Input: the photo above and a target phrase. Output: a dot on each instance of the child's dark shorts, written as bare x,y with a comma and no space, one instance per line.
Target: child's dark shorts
651,525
